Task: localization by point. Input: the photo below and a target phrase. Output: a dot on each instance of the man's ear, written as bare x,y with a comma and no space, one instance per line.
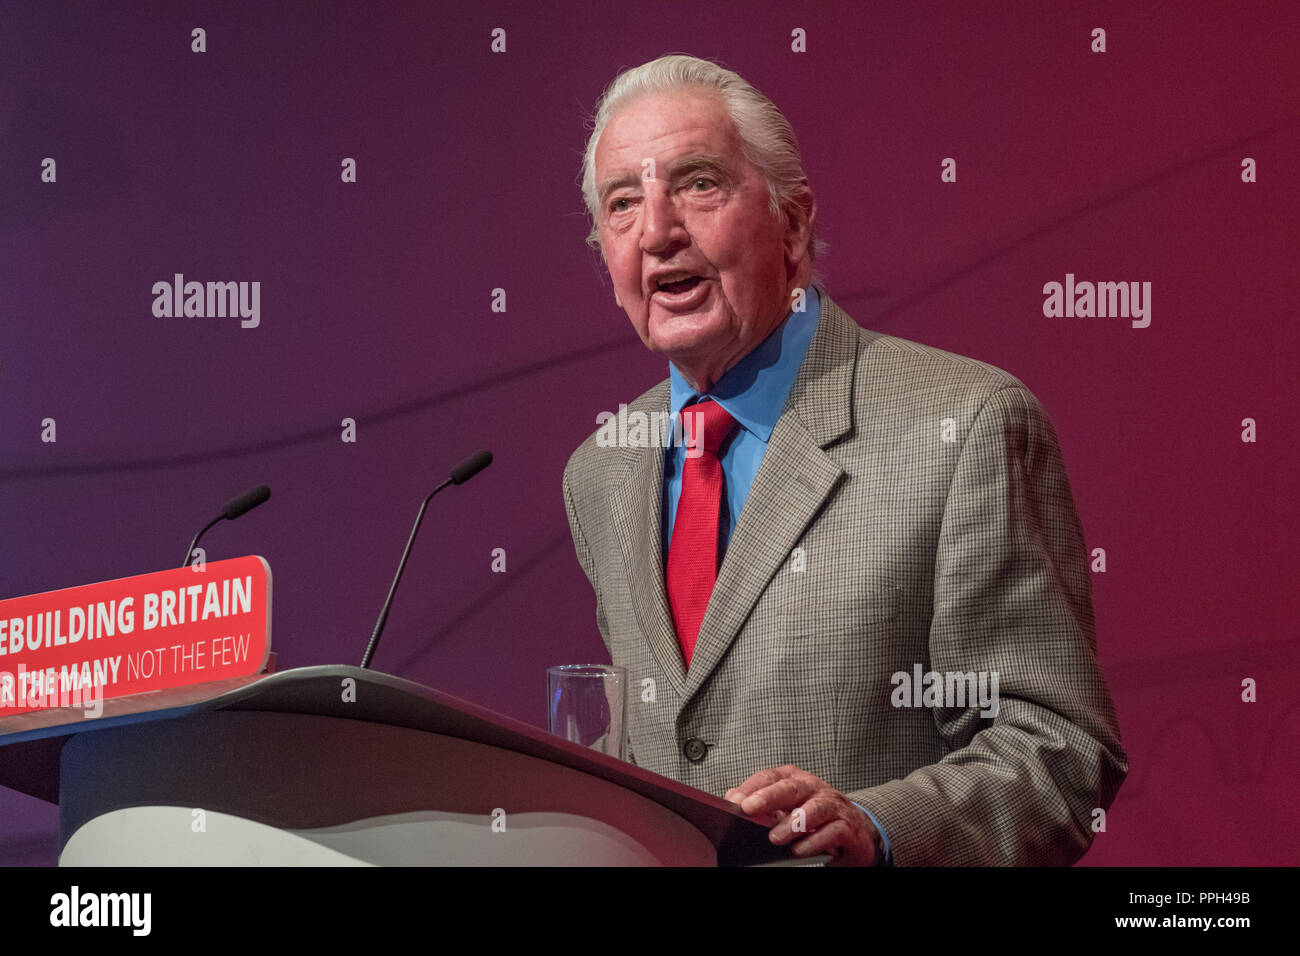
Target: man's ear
801,215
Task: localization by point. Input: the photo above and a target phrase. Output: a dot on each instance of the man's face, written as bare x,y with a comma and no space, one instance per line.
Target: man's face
698,210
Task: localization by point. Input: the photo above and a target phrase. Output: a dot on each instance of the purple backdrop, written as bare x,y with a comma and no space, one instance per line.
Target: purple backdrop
376,305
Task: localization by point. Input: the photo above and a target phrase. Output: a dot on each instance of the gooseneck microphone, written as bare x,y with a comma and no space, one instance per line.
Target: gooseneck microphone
235,507
462,473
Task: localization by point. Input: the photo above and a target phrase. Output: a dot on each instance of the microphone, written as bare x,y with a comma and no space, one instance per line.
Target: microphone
235,507
470,467
462,473
246,502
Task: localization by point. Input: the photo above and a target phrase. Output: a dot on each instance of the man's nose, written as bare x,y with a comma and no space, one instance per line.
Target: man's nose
661,224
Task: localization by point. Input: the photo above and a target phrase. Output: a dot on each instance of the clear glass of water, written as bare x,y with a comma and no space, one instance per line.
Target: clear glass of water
587,704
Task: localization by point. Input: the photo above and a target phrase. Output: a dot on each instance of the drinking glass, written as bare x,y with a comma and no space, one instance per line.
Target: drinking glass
587,704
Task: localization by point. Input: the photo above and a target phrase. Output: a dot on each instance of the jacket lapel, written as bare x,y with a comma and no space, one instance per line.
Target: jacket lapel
636,505
793,482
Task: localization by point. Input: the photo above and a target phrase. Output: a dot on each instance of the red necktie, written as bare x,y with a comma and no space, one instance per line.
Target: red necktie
693,552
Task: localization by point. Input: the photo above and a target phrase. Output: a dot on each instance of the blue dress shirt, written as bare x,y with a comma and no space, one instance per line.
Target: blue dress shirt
753,392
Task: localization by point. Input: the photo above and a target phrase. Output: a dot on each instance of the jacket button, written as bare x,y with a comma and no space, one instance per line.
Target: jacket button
695,749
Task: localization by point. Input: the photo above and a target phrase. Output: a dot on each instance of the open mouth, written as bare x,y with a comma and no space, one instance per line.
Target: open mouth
680,285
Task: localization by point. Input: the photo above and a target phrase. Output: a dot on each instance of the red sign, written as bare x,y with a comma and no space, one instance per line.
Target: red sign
75,647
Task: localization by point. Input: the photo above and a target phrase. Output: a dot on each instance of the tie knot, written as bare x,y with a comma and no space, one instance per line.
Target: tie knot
708,424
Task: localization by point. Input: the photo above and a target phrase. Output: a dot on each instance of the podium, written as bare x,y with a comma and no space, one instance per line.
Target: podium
335,765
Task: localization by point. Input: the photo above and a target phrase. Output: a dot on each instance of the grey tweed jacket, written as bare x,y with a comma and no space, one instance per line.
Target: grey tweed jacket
912,509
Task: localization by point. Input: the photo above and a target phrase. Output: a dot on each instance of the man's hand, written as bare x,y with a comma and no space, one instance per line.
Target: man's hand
797,804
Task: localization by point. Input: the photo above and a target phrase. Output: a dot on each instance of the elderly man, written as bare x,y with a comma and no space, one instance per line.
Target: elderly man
851,591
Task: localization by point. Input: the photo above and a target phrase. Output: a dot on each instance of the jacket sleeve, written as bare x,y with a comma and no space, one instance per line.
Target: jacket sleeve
589,569
1012,596
584,559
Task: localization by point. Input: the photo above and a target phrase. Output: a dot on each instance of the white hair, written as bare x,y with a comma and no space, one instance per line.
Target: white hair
767,139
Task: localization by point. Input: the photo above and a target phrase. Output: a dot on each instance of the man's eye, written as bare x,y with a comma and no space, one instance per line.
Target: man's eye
615,207
708,183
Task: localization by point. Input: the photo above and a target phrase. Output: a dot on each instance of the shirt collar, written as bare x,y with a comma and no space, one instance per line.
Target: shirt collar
754,390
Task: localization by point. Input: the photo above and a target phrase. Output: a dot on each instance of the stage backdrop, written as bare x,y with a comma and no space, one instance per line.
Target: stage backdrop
963,156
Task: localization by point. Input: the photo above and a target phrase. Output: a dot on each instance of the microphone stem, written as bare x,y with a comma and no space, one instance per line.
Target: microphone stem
401,567
190,553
